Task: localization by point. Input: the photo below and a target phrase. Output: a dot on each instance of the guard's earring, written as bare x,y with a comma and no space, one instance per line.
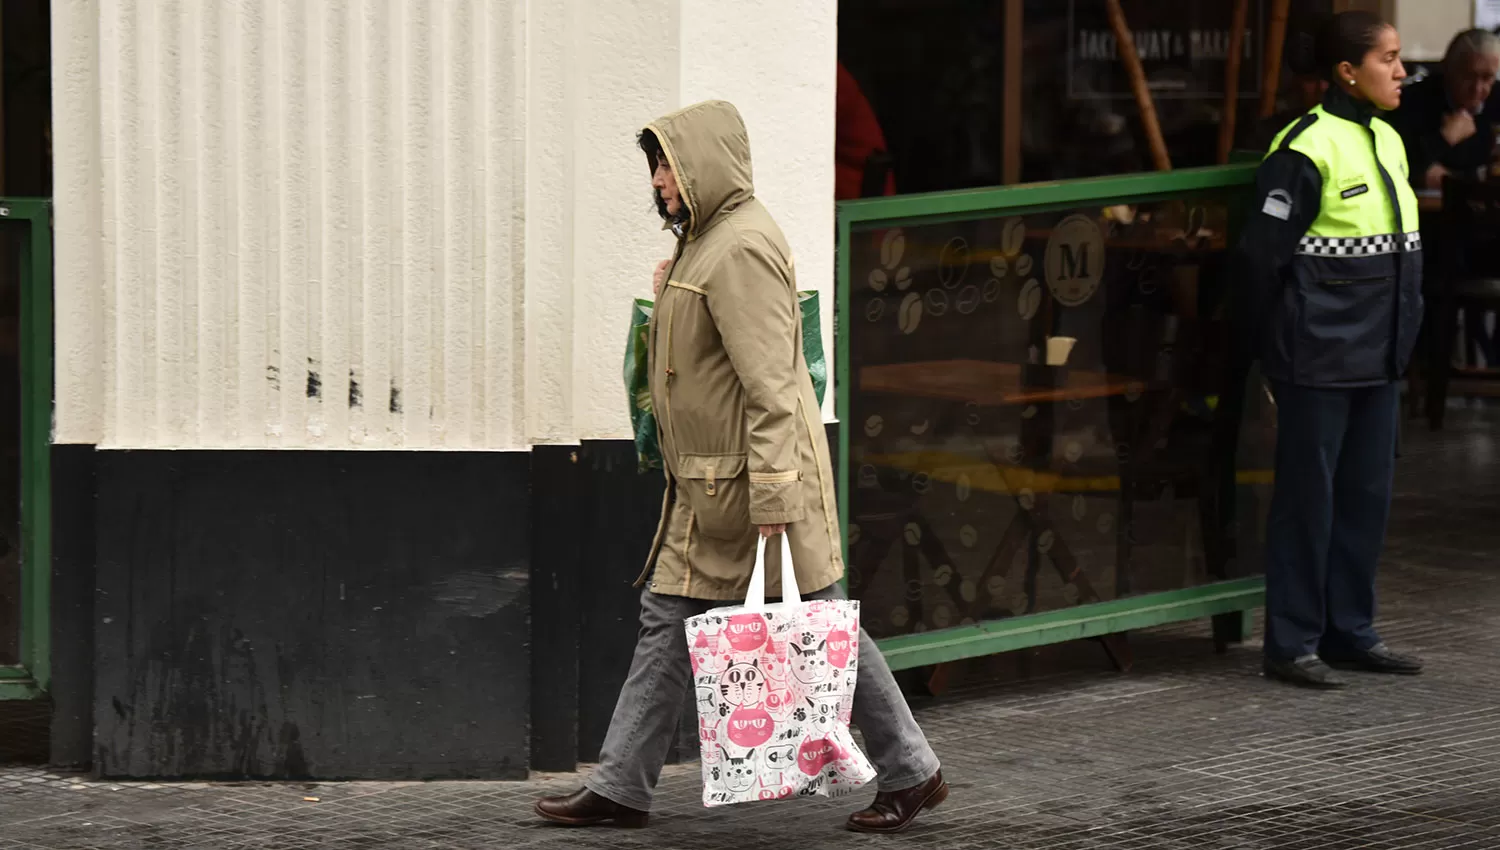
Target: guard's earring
1350,82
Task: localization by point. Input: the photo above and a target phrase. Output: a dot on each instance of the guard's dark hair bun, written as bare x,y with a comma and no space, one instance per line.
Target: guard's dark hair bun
1348,37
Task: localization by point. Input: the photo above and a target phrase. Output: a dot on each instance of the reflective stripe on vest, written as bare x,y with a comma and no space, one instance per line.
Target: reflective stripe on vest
1359,246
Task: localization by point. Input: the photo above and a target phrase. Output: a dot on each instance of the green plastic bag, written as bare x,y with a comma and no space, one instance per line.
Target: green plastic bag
638,386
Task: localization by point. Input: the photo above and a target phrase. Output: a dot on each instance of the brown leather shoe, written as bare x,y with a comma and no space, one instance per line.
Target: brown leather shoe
894,811
585,808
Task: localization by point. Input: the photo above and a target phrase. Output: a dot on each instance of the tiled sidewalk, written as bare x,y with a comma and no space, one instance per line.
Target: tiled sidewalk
1191,750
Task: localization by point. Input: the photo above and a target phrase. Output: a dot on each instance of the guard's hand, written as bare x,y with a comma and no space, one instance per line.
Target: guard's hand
1458,126
660,277
772,530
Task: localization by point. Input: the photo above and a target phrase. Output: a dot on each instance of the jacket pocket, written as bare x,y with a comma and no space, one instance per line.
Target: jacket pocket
717,488
1346,330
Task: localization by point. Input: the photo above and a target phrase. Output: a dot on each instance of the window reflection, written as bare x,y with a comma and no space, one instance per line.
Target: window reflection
933,72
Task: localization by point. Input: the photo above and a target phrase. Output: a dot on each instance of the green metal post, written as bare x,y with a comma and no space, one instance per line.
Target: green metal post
34,674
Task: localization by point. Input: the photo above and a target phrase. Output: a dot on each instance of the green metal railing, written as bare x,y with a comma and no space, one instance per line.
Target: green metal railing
1221,599
30,678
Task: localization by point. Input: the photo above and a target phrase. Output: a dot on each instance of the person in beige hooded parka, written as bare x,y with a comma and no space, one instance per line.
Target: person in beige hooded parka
746,456
740,428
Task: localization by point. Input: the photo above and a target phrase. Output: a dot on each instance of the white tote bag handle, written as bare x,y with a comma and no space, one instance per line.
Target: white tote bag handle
755,596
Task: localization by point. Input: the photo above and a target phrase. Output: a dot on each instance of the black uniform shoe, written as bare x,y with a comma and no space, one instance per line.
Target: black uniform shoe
1307,672
1377,659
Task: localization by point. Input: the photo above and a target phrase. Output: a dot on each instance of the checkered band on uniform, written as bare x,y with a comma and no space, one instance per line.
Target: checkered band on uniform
1362,246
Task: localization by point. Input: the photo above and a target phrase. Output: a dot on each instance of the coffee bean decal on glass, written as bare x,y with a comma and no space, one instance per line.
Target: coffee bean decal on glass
937,302
914,590
910,314
968,591
1030,300
991,291
969,536
953,262
1013,236
968,299
891,272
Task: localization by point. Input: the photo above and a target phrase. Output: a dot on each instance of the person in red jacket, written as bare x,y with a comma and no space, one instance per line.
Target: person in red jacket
857,138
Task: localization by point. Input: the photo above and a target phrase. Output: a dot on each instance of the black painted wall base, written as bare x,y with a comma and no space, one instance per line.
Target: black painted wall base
331,615
345,615
71,742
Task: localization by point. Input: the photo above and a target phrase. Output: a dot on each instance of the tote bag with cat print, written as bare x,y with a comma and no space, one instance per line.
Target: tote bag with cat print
775,686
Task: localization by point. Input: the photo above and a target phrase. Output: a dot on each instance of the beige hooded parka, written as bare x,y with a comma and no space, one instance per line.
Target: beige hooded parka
740,430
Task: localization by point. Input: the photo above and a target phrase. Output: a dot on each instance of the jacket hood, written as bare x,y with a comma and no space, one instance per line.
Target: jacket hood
709,151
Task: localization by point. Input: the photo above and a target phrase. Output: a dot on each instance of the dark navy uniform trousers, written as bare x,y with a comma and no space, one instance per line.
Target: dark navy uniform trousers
1335,456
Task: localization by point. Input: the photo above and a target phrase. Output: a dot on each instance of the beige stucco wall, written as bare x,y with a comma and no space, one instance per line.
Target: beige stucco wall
264,205
1428,25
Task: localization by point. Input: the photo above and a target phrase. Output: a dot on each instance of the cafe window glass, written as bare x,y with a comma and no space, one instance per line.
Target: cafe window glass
932,74
1035,412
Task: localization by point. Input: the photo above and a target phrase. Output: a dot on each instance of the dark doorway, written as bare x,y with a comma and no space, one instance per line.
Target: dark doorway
25,171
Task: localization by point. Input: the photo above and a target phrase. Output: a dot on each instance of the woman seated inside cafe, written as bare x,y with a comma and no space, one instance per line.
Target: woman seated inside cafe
1448,122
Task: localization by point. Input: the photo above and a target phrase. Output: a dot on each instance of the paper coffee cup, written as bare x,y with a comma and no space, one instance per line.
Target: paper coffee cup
1058,349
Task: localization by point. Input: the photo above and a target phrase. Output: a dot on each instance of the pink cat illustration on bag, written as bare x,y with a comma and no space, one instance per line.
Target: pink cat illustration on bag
839,648
747,632
750,727
705,654
815,755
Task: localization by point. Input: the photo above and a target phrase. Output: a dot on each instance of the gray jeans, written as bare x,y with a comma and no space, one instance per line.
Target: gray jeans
646,718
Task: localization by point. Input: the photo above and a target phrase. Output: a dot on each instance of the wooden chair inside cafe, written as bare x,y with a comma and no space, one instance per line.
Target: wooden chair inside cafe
1463,273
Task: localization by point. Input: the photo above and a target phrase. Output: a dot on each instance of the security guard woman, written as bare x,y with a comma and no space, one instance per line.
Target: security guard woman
1330,301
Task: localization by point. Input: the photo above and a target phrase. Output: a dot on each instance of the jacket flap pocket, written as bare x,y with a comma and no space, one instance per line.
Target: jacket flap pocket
717,467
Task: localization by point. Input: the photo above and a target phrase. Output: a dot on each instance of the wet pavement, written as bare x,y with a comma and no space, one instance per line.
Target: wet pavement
1189,750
